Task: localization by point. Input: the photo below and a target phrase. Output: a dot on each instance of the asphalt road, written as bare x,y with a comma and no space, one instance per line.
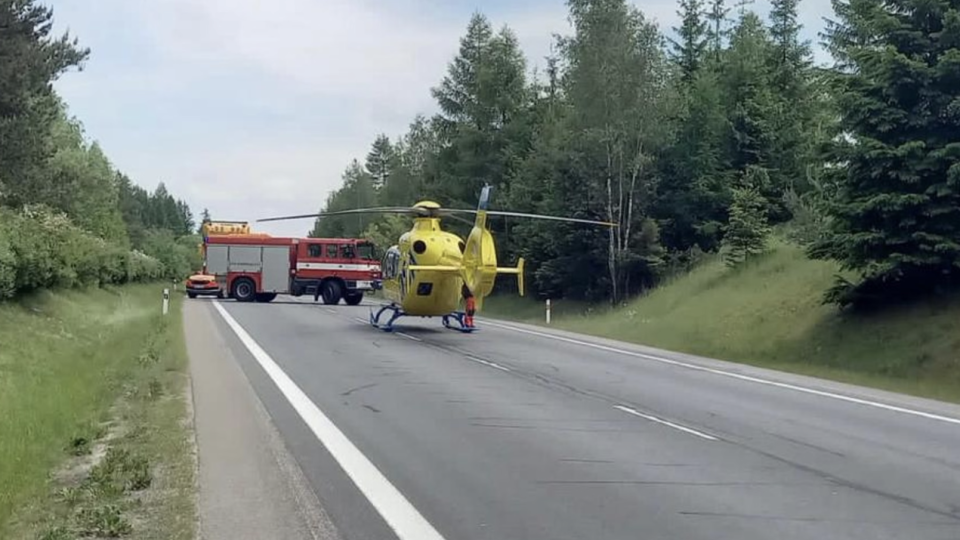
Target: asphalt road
520,433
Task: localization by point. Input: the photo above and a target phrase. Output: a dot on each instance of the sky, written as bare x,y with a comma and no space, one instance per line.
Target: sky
254,109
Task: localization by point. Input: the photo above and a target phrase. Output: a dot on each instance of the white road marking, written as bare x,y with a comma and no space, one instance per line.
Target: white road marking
408,336
732,375
405,520
634,412
487,363
330,310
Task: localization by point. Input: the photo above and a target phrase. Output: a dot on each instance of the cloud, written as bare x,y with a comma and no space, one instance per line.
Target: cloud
252,108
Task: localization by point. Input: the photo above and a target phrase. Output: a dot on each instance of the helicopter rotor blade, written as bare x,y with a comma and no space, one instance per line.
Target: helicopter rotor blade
456,217
536,216
377,210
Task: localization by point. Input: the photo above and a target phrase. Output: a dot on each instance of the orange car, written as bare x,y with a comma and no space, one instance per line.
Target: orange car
203,285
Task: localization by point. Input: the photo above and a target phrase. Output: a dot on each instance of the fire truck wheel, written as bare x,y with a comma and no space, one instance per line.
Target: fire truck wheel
353,298
244,290
266,297
331,291
192,295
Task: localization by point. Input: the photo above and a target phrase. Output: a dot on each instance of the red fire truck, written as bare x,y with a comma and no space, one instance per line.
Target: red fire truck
259,267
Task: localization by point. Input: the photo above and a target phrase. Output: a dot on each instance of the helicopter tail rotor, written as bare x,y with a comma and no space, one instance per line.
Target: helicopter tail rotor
480,256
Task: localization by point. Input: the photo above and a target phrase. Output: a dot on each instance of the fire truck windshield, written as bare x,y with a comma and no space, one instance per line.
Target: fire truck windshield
366,250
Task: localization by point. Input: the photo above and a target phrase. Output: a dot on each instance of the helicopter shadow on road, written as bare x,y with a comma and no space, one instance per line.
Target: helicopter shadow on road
417,330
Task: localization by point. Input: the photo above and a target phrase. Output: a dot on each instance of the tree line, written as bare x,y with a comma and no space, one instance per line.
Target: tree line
67,216
708,143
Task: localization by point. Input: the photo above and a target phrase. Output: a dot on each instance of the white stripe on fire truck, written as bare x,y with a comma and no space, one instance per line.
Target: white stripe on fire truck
336,266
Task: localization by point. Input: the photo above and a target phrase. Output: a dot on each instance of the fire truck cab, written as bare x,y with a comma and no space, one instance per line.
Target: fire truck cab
250,268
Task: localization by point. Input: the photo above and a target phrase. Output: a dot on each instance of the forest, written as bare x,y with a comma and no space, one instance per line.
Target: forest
68,217
710,143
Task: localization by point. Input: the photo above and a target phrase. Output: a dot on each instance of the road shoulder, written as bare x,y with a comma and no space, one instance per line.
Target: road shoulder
250,486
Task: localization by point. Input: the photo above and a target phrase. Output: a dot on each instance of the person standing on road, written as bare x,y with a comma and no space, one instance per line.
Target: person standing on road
471,306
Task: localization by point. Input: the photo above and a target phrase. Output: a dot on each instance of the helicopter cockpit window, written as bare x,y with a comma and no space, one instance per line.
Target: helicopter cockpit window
314,250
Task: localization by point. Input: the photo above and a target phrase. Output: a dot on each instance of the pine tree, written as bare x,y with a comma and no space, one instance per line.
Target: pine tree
695,190
380,161
716,30
791,80
483,100
458,93
204,218
690,51
896,219
747,230
789,51
749,98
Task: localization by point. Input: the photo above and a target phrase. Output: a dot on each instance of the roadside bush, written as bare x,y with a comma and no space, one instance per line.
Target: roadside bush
41,248
8,263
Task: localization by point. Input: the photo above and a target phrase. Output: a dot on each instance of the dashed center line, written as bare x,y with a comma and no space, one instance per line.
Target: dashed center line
487,363
732,375
635,412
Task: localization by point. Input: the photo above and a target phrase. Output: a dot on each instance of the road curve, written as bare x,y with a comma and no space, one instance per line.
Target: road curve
521,433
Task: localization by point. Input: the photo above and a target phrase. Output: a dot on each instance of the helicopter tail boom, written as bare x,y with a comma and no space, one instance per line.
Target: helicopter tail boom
434,268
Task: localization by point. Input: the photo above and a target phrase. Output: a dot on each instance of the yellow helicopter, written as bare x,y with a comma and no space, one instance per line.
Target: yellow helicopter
429,270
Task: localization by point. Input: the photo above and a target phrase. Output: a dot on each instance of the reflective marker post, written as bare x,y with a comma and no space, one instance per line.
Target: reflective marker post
548,311
166,301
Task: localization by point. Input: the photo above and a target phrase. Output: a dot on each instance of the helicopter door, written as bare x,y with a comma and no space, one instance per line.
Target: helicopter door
391,264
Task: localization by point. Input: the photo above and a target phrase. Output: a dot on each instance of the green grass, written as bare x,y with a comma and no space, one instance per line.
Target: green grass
769,313
93,415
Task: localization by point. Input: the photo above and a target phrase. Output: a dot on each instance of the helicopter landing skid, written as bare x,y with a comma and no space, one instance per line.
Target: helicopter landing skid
396,313
461,324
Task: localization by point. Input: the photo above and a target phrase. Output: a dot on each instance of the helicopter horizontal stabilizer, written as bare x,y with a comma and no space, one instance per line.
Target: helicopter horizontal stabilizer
518,271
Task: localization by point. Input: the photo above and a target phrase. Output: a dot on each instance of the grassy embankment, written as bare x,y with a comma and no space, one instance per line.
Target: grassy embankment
769,313
94,417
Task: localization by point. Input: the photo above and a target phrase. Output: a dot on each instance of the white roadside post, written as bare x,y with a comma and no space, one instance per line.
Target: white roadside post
166,301
548,311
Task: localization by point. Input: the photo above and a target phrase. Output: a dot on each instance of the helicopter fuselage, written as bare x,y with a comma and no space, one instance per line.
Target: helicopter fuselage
424,292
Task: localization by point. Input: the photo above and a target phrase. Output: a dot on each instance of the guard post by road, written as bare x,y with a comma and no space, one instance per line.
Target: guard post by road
166,300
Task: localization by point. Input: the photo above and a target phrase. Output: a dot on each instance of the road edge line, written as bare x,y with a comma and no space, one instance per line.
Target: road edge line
399,513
